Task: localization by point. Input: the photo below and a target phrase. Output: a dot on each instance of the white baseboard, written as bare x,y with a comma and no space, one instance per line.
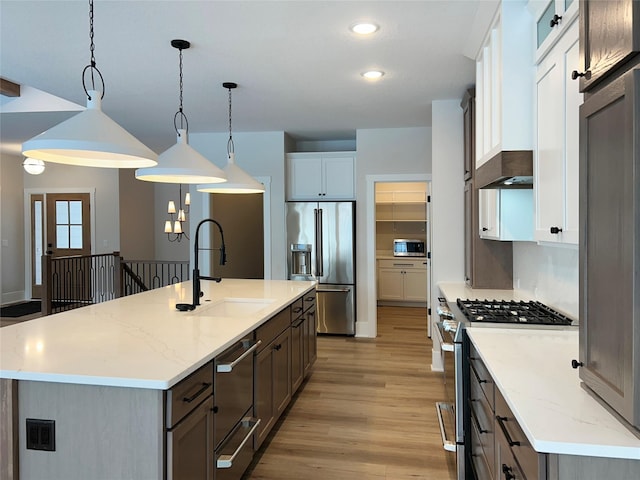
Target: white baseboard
13,297
436,361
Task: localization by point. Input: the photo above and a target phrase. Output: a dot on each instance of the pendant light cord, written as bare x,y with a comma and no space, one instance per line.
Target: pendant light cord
180,112
92,65
230,146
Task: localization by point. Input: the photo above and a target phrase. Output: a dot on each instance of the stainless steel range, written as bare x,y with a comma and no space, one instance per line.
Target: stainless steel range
455,318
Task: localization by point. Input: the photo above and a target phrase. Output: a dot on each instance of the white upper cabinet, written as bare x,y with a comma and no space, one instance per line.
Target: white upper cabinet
552,18
506,214
504,83
321,176
557,135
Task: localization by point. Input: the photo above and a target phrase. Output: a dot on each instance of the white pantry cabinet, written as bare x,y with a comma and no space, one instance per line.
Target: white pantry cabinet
504,83
402,280
506,214
321,176
557,135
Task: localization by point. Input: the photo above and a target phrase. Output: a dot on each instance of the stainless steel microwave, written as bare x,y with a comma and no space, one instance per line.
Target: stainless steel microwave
406,247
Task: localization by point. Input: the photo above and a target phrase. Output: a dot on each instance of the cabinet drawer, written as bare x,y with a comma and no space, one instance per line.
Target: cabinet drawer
270,330
309,300
481,376
481,464
530,462
235,455
188,394
482,421
403,263
296,309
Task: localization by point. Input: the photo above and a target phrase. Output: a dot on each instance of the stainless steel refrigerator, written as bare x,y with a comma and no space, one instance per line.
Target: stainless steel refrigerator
321,246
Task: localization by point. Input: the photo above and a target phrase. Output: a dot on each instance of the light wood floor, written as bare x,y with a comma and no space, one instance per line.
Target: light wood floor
366,412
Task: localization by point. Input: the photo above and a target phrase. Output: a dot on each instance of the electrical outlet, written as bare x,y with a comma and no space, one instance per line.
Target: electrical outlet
41,434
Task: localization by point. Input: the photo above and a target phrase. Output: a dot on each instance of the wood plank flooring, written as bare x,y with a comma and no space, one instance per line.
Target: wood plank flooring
366,412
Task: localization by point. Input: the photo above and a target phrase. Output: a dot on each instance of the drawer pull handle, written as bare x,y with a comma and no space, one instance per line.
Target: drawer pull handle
508,472
475,420
501,421
226,461
297,310
310,298
203,387
228,367
475,374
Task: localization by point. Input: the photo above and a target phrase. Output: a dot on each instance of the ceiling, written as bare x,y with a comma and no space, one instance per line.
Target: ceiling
297,64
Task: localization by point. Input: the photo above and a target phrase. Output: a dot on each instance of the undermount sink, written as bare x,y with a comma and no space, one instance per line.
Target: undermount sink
236,307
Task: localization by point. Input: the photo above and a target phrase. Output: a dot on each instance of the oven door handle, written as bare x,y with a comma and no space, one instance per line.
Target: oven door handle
441,407
445,346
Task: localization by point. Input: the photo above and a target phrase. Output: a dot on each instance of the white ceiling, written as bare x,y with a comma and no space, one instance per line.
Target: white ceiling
296,63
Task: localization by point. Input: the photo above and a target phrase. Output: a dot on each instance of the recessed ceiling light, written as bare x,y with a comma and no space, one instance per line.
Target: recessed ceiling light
364,28
373,74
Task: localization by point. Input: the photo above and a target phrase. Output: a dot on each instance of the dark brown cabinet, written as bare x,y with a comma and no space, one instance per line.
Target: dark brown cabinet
610,243
609,38
487,263
190,426
272,391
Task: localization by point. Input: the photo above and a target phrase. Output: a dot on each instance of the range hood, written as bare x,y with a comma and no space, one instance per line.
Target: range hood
507,169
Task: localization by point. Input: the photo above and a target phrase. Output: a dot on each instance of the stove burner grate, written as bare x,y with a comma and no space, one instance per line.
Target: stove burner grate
501,311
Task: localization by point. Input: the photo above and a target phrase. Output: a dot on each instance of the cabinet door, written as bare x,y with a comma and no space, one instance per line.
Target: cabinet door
610,244
609,33
305,178
298,340
263,400
190,445
281,372
558,102
468,118
489,213
390,284
312,339
415,285
338,177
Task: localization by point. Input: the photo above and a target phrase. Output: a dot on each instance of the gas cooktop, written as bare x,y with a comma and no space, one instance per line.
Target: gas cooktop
500,311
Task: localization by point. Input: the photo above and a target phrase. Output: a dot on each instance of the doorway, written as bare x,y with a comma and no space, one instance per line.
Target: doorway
59,224
241,217
369,304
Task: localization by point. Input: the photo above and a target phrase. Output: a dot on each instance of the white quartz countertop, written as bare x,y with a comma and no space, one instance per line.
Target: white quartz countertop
141,341
532,369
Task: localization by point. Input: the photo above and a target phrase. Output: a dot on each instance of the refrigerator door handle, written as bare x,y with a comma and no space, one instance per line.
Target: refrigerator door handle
319,252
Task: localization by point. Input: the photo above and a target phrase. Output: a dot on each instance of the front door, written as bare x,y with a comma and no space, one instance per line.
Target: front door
62,222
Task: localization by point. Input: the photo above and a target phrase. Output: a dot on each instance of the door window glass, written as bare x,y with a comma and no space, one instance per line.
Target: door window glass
544,26
38,241
68,224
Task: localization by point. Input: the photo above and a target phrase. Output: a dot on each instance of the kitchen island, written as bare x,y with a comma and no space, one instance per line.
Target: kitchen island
102,372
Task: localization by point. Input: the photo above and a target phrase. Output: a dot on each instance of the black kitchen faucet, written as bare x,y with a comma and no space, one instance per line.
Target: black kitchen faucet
197,293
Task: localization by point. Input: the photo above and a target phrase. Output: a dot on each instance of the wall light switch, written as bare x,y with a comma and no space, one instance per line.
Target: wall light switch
41,434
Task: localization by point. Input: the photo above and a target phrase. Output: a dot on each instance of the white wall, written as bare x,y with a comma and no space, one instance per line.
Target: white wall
381,153
11,229
447,201
261,154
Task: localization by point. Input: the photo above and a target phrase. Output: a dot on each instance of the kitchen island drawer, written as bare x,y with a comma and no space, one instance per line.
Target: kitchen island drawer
309,300
297,308
532,464
273,327
481,376
189,393
482,465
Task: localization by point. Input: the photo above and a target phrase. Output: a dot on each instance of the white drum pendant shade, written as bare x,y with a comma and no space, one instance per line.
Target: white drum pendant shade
238,181
90,139
182,164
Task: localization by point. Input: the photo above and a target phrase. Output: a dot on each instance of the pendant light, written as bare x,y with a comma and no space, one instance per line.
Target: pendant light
238,181
181,163
90,138
33,166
